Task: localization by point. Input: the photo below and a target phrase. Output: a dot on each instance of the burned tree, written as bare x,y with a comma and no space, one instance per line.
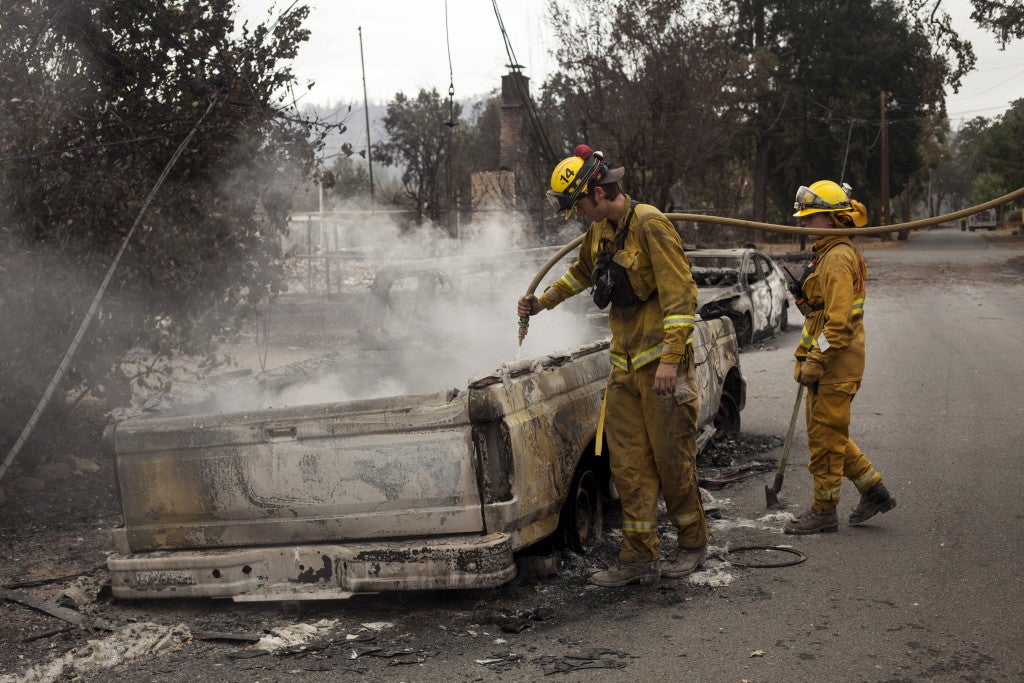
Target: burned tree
97,96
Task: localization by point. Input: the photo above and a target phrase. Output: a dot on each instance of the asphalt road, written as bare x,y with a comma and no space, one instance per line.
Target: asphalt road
929,591
933,589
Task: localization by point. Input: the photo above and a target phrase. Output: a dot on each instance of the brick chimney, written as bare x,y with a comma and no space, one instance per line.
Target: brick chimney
515,93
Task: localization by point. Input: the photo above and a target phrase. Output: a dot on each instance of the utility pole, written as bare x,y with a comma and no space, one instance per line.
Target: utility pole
450,123
760,199
804,170
366,108
884,216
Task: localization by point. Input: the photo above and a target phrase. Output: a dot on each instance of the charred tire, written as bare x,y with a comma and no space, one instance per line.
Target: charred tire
744,329
582,519
784,319
727,419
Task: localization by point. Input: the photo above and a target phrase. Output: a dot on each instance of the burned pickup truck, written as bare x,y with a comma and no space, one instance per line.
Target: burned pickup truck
426,491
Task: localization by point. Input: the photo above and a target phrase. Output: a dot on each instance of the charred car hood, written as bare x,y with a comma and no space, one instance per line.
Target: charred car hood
706,295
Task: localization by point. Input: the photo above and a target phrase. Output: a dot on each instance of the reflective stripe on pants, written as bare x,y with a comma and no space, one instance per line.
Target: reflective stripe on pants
652,447
833,453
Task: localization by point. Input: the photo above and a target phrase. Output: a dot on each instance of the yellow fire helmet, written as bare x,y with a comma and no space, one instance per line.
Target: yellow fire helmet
571,178
823,195
828,196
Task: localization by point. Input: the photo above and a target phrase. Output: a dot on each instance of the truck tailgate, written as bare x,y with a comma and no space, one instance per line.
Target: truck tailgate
379,468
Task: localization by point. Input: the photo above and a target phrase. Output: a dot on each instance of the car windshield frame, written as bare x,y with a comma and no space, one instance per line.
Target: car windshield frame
715,270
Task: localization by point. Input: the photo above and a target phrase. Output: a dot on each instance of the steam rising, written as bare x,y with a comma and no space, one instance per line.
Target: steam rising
419,313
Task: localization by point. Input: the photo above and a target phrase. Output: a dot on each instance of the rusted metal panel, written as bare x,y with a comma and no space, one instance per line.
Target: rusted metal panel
332,472
549,409
716,352
316,571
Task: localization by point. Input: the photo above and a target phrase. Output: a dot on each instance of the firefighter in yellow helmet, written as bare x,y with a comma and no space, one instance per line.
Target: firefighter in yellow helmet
633,259
830,359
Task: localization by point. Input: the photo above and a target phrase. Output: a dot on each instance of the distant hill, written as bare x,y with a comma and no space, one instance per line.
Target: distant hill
353,116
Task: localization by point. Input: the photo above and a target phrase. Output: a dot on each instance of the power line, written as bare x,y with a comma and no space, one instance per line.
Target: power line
997,85
451,122
94,307
531,109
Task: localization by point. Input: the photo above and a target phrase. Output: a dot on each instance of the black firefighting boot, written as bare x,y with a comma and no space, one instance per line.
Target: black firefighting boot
625,573
877,499
813,522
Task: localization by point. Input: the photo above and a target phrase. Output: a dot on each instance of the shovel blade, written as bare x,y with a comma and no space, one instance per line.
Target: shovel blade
771,493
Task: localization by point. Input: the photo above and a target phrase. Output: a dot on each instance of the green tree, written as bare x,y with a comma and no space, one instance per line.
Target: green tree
483,136
1005,18
935,150
956,166
817,71
652,86
986,186
950,175
1000,147
421,142
351,178
731,106
968,142
97,96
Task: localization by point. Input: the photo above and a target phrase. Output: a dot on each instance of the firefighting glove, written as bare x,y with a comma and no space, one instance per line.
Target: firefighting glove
796,369
810,371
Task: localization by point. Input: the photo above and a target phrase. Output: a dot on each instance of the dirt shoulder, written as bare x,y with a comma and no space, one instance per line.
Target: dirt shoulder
1006,237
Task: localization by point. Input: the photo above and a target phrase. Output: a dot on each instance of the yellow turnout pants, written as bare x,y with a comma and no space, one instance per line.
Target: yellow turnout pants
834,455
653,447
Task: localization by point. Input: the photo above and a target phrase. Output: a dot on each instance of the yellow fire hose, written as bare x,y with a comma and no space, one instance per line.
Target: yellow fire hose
524,321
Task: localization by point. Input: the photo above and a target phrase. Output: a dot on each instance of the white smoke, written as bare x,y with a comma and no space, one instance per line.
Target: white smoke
424,312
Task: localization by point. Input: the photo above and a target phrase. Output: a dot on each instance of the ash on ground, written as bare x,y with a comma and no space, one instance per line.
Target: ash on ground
720,464
736,452
65,537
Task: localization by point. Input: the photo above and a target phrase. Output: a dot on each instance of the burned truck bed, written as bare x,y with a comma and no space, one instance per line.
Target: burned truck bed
427,491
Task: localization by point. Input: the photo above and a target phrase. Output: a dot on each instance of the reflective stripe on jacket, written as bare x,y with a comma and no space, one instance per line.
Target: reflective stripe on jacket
838,283
652,254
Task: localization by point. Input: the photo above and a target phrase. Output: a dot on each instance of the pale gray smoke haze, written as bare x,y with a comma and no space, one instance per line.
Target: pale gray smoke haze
424,313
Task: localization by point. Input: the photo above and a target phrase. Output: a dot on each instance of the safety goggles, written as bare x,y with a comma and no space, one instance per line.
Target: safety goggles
561,201
806,198
567,200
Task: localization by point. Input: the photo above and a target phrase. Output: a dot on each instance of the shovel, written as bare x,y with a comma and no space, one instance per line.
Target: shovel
771,493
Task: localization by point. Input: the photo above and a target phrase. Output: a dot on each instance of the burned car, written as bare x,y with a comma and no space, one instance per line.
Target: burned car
744,285
395,492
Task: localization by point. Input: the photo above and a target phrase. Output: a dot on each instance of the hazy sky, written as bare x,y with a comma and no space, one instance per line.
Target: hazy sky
405,48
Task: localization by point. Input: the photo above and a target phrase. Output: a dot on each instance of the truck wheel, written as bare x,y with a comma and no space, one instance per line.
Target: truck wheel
582,518
727,420
784,319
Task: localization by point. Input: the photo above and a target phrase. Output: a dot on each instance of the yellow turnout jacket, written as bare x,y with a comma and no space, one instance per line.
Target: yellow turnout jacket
652,254
834,335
